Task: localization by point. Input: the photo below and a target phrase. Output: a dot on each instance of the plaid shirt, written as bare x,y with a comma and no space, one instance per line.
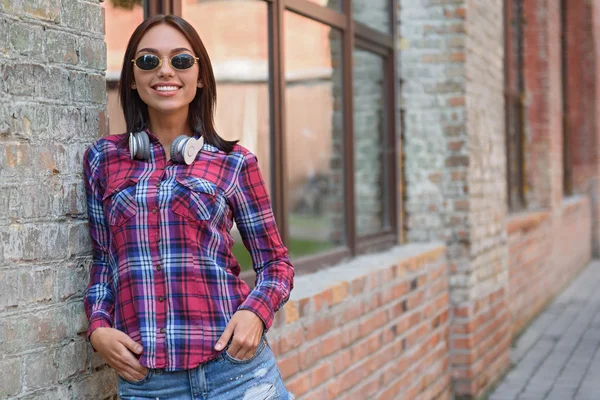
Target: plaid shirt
163,271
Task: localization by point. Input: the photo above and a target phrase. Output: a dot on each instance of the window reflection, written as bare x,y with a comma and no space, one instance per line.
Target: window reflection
369,127
376,14
333,4
235,35
314,129
120,23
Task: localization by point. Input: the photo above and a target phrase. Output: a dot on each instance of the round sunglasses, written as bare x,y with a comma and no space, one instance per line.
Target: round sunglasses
148,62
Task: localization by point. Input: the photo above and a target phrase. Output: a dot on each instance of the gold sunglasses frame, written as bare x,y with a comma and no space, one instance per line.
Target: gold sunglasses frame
160,61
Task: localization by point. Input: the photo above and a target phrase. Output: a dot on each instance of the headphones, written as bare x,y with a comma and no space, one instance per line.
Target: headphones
184,149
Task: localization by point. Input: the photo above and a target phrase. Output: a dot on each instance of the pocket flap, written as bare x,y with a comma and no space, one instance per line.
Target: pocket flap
197,184
119,185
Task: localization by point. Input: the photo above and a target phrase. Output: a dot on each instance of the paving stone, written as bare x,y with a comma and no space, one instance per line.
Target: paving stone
558,357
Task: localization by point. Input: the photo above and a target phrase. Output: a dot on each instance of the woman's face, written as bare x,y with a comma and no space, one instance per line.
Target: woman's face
165,90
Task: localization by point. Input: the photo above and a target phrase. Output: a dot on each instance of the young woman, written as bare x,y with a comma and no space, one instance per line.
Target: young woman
166,307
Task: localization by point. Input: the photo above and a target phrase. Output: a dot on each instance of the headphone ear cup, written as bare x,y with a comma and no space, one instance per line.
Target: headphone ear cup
191,149
139,145
177,148
133,145
144,145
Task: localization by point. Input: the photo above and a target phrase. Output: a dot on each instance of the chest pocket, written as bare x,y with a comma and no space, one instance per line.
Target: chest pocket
119,201
194,198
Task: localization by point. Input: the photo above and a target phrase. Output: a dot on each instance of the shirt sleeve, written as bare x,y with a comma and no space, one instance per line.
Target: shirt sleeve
255,220
98,297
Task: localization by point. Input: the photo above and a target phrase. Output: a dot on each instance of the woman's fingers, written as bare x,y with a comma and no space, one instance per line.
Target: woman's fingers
130,372
243,349
131,362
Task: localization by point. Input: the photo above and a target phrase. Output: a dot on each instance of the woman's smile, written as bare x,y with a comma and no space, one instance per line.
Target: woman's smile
166,90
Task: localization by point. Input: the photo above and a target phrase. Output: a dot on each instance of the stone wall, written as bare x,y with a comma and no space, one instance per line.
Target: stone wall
52,105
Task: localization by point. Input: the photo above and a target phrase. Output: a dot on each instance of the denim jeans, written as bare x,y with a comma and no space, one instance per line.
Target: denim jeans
224,378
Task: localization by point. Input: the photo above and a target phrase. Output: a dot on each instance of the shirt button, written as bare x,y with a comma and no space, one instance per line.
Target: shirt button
162,330
161,298
154,210
158,267
158,185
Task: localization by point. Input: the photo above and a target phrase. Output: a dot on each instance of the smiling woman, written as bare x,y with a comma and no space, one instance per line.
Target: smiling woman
166,306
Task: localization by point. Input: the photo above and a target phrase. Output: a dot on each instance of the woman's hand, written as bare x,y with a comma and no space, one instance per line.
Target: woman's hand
247,330
115,347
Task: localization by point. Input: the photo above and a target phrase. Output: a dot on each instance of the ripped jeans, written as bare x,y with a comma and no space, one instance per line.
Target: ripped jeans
224,378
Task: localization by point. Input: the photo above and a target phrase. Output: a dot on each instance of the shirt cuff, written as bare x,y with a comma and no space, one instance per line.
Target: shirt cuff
96,323
260,305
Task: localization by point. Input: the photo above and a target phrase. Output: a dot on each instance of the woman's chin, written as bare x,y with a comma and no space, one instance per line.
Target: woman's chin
163,108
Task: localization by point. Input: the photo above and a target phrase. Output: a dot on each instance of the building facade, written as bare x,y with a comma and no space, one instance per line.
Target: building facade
433,167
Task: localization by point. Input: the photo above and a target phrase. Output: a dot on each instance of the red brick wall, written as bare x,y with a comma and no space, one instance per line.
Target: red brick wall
580,93
544,254
543,87
382,335
480,339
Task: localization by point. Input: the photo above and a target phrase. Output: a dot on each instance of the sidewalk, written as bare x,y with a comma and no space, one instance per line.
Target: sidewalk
558,357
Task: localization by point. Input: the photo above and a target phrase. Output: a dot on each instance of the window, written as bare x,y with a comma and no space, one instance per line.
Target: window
369,138
309,87
314,135
514,102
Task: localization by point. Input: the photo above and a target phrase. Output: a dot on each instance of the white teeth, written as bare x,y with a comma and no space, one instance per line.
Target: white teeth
166,88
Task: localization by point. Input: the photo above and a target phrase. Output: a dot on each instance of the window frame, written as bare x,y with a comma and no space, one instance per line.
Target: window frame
515,110
353,34
567,158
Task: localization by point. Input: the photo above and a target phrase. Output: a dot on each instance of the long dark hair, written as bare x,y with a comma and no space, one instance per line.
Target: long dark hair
201,109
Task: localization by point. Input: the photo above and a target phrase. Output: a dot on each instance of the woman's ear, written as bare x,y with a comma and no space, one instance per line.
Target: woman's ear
133,86
199,84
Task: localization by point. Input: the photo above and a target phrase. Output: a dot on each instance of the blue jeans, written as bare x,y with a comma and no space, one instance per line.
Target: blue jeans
224,378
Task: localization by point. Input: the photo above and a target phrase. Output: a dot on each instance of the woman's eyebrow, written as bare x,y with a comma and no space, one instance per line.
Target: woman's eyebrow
150,50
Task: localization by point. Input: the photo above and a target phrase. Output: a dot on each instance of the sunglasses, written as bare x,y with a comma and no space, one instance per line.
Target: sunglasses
148,62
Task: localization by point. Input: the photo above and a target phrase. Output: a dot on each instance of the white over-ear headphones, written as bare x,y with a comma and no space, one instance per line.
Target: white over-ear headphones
183,149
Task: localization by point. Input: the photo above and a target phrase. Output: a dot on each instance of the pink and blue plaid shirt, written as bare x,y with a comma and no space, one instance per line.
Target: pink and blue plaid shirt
163,271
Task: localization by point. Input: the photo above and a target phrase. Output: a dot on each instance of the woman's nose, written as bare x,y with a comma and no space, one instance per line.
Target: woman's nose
165,68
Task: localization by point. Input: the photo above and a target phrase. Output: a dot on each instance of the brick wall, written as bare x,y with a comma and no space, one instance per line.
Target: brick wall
545,253
374,328
481,326
52,92
452,72
543,86
583,68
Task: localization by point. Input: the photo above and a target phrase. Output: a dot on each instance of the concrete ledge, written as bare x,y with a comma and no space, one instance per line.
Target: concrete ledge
309,285
573,203
526,221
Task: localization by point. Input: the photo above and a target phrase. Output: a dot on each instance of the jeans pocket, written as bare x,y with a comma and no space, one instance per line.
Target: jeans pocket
139,382
259,349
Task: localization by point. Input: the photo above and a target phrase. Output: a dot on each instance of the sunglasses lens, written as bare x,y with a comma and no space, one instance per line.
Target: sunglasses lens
147,62
183,61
